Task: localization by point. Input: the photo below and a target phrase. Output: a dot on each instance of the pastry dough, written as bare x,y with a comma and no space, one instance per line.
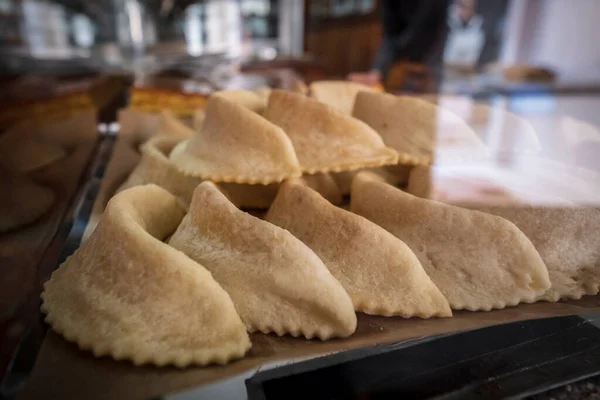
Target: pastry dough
137,126
126,294
395,175
337,94
417,129
398,174
326,139
246,98
263,92
477,260
249,197
324,184
299,87
568,240
236,145
155,167
420,182
198,118
22,200
23,150
261,196
277,283
379,272
170,125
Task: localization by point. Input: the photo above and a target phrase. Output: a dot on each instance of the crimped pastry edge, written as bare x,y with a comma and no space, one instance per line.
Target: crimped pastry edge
180,358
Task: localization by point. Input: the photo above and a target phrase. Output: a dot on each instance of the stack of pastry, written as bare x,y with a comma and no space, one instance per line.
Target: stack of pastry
177,273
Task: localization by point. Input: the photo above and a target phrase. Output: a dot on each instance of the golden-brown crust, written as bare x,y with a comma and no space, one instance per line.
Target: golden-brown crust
379,272
418,130
478,261
247,196
325,139
395,175
568,242
420,182
170,125
154,167
126,294
246,98
236,145
276,282
337,94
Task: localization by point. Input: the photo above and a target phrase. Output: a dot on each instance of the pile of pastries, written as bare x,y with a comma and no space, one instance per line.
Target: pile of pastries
178,272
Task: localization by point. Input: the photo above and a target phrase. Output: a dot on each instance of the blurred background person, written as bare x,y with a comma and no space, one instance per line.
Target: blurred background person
413,30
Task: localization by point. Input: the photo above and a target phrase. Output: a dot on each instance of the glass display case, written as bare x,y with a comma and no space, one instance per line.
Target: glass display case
299,198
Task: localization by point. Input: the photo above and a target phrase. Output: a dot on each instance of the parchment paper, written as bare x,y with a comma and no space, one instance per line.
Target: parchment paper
64,372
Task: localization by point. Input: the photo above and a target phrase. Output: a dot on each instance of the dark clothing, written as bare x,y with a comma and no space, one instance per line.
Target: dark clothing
412,29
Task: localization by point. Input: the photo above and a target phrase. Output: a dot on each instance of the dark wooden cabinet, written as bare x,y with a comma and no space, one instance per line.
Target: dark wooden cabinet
343,35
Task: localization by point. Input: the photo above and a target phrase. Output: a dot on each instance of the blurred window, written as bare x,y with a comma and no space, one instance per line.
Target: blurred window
83,30
6,6
259,18
340,8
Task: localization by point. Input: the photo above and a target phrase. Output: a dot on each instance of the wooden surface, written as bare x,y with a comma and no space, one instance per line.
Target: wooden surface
345,48
22,250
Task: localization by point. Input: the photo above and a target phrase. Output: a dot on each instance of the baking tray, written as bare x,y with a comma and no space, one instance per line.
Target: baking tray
509,361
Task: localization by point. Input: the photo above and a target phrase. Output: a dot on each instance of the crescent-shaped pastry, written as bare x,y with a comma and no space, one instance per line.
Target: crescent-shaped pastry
419,130
325,139
337,94
22,201
379,272
155,167
568,241
237,145
126,294
276,282
246,98
477,260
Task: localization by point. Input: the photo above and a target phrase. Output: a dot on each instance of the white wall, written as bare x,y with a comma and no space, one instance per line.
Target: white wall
563,34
